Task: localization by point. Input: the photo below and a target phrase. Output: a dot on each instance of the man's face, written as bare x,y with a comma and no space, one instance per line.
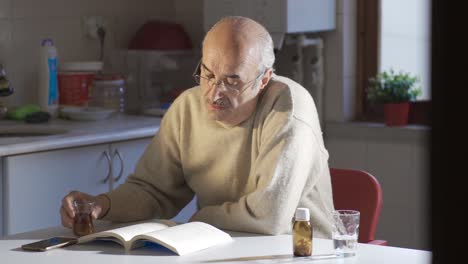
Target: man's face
230,81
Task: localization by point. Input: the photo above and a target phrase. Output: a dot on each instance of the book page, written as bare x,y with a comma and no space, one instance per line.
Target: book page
188,238
126,233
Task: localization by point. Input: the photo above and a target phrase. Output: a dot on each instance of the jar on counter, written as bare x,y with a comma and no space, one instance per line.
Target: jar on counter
75,80
108,91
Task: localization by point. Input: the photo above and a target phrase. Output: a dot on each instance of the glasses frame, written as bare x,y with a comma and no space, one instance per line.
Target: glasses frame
197,76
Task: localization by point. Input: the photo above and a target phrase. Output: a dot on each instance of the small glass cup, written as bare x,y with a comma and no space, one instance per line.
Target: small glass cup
345,232
83,221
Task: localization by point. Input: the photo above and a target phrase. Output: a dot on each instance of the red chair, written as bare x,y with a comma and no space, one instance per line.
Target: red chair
359,190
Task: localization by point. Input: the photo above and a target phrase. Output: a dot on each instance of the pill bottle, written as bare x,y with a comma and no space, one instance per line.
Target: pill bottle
302,233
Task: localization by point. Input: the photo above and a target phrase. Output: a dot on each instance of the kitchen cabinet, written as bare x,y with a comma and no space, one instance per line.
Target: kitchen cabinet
124,156
35,183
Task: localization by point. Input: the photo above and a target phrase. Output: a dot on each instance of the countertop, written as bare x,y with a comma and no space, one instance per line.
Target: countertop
118,127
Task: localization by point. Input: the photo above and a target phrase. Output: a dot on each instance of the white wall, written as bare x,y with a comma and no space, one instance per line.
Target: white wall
340,64
23,23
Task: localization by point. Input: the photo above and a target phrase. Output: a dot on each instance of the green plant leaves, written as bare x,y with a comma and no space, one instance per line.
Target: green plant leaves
391,87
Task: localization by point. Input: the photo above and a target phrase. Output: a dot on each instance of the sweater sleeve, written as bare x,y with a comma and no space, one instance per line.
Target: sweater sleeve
289,154
157,188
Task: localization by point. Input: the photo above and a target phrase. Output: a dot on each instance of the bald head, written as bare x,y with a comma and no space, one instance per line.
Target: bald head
238,57
243,36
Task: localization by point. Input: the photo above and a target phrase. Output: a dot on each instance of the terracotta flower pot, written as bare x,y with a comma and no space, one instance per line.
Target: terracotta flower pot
396,114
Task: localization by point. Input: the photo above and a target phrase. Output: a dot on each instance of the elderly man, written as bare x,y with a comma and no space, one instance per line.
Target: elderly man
247,142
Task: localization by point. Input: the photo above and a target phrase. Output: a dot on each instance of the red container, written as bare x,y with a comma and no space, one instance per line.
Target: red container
396,114
74,81
74,87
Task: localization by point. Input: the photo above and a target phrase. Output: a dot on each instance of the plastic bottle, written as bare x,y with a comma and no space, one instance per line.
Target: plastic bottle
302,233
47,87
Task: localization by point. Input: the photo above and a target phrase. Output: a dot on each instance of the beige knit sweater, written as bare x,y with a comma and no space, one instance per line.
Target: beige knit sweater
249,177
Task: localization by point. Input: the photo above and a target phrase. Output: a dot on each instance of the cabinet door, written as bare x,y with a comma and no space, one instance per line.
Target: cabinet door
36,183
125,156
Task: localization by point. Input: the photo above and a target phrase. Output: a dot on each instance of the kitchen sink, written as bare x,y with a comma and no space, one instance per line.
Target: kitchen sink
25,131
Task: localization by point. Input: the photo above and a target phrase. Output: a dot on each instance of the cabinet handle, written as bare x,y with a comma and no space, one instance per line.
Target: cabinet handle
109,171
121,165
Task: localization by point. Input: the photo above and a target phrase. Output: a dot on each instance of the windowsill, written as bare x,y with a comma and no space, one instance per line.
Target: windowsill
376,131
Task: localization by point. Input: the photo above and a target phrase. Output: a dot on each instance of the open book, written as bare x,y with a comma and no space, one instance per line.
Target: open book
181,239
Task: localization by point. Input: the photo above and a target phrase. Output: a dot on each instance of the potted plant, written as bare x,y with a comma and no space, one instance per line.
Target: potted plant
395,91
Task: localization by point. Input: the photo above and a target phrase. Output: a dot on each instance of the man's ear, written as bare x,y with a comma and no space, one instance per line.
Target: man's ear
266,78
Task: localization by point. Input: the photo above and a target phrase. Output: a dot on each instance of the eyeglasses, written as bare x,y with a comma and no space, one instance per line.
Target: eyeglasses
232,87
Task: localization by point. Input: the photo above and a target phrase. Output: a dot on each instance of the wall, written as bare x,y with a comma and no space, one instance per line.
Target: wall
23,23
340,64
190,15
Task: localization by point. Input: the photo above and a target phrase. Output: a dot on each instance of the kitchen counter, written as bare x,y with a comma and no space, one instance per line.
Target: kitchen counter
119,127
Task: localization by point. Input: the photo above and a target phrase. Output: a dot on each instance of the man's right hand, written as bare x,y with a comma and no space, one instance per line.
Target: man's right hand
67,211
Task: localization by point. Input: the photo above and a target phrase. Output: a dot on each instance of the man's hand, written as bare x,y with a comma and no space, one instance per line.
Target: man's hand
67,211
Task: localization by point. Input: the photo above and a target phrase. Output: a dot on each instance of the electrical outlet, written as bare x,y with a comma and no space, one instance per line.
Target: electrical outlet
91,24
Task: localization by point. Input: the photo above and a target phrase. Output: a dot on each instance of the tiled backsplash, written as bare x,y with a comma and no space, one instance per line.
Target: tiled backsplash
23,23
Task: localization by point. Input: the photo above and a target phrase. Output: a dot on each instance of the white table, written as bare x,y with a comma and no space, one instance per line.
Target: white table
246,248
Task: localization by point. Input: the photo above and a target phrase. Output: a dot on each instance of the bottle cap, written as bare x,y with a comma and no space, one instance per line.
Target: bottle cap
302,214
47,42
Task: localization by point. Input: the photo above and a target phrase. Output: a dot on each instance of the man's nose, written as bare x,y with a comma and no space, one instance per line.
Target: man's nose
218,89
217,94
219,86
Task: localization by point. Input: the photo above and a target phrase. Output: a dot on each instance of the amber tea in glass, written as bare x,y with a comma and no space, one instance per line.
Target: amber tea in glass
83,221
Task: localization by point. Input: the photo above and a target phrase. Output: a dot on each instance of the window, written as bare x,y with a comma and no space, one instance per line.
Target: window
405,39
393,34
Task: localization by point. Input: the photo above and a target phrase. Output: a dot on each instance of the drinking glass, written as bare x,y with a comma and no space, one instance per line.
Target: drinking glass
83,221
345,232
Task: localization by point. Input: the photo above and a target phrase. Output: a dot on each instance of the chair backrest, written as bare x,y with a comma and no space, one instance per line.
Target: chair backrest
358,190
